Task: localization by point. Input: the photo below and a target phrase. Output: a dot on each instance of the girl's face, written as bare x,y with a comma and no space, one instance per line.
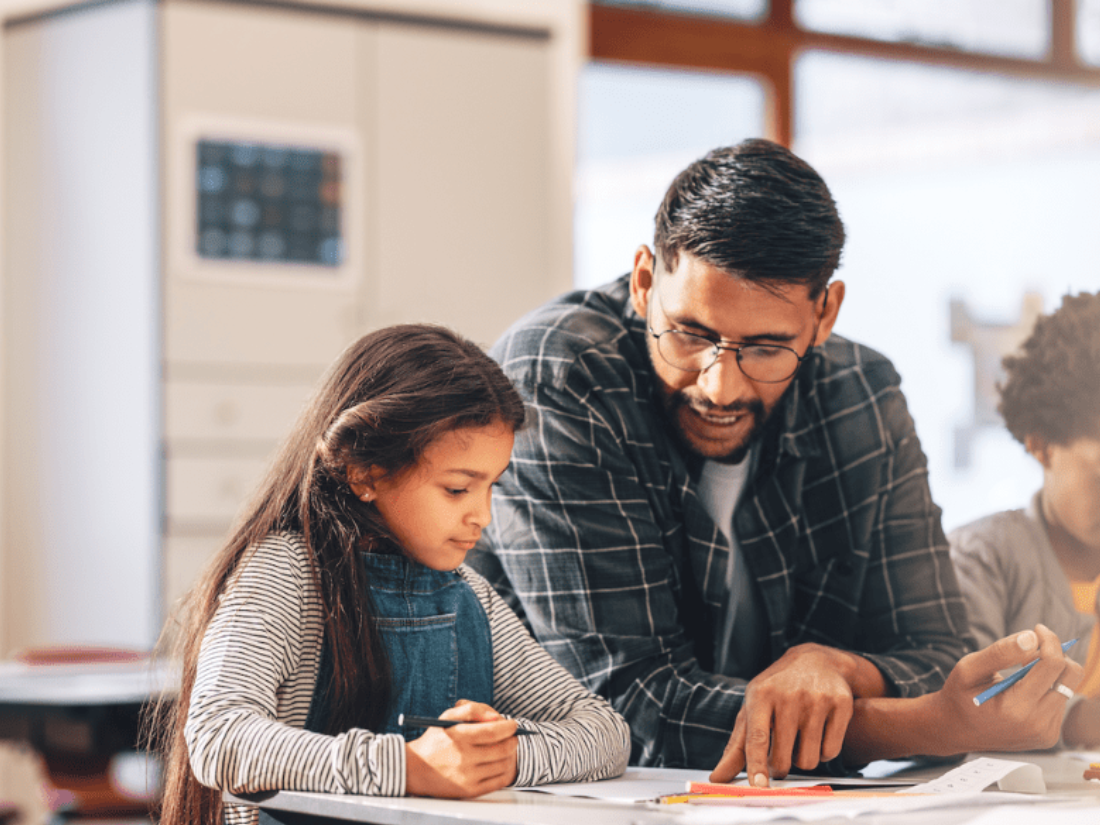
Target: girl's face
438,508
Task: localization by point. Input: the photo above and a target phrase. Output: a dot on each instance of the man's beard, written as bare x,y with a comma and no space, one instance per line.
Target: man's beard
754,408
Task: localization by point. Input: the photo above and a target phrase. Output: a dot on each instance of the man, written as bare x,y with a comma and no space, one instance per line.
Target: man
716,505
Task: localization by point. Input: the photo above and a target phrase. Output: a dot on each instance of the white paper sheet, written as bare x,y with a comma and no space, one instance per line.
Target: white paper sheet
1084,756
848,807
636,785
643,784
960,787
978,774
1063,815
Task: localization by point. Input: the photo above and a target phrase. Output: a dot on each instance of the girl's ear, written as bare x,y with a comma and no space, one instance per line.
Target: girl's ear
361,480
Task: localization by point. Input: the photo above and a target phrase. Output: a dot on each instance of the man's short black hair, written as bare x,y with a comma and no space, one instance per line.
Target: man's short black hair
755,210
1052,389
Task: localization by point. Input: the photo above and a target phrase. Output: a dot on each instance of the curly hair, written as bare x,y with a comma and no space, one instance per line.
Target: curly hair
1052,389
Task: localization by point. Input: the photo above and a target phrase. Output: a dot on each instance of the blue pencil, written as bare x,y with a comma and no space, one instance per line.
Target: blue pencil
1009,681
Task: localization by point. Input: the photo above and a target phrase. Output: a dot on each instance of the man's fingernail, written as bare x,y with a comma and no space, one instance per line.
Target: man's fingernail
760,780
1027,640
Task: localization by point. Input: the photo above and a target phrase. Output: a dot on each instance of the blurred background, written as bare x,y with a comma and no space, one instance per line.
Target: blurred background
204,201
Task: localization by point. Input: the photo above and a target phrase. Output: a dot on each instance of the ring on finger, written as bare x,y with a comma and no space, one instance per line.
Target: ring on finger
1065,691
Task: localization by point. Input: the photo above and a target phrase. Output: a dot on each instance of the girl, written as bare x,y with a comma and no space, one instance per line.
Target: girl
340,603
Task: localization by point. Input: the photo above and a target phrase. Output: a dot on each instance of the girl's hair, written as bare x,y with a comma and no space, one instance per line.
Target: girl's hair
384,401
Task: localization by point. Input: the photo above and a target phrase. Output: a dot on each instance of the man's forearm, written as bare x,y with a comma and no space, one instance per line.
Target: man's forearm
865,679
889,728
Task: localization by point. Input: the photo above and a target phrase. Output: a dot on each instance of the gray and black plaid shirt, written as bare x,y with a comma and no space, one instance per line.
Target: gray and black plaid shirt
600,542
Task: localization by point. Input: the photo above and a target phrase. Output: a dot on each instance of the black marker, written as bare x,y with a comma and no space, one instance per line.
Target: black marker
430,722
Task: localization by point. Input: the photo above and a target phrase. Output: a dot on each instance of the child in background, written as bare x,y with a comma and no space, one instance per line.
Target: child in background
341,601
1042,563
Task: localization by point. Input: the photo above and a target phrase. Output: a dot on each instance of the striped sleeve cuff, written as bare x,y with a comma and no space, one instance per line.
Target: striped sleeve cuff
369,764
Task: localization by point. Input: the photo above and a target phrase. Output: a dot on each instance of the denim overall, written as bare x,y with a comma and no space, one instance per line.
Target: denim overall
436,636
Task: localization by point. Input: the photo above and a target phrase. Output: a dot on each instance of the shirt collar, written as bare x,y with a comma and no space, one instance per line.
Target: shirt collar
798,424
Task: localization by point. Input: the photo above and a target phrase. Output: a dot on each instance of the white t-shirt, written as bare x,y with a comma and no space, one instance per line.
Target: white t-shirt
741,645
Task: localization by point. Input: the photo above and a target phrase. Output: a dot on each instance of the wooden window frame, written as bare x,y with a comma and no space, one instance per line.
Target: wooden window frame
767,50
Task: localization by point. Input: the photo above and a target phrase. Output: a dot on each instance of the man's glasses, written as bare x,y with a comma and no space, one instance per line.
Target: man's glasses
764,363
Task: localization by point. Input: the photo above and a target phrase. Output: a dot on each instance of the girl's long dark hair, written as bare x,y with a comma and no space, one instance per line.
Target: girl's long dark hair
388,397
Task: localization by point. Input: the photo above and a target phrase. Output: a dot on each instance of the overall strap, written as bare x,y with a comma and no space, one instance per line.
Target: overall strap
436,635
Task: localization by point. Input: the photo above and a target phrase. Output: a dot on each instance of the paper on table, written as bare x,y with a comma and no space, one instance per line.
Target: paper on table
1083,756
959,787
643,784
1066,815
978,774
635,785
855,782
848,807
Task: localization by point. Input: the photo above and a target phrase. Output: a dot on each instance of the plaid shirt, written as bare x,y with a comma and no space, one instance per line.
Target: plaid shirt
600,540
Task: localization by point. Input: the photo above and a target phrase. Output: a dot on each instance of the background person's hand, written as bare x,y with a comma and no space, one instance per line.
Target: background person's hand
1026,716
463,760
796,712
1081,728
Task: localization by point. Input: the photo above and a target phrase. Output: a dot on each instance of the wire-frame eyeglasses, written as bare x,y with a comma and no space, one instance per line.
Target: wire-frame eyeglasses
764,363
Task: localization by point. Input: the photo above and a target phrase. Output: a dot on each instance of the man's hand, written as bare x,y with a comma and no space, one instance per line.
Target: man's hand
796,711
1028,715
463,760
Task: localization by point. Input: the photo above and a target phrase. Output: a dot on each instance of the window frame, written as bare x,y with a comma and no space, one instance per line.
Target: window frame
769,48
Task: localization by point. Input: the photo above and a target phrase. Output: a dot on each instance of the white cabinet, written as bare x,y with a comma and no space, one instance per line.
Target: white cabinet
145,388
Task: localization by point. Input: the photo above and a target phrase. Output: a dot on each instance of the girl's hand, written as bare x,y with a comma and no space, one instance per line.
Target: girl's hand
464,760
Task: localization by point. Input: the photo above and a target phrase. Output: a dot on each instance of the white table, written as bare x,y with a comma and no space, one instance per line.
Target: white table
79,718
1062,774
84,684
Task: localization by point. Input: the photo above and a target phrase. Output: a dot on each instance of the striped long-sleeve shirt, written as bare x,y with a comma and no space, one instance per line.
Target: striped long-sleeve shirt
258,667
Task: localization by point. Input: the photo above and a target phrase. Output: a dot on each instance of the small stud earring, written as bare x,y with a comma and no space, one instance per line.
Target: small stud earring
367,497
